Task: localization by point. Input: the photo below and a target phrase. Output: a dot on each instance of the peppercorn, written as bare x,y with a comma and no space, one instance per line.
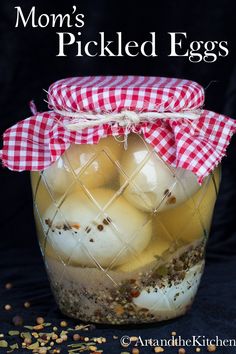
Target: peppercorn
18,321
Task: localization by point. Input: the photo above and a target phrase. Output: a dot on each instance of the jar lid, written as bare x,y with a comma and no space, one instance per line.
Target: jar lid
165,111
115,93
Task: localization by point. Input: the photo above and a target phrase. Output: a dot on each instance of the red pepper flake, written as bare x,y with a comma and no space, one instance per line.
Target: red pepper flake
171,200
76,226
135,293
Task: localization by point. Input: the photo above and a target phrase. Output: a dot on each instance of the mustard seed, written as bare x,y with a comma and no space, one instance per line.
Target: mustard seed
7,307
63,324
27,304
198,350
135,351
27,341
158,350
211,348
8,286
182,351
42,350
64,337
39,320
173,333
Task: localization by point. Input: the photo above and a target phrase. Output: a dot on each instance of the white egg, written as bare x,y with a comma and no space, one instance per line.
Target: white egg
101,231
171,299
152,184
192,219
84,161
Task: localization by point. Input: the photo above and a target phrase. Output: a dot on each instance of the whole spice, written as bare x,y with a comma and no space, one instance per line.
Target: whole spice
135,293
211,348
182,351
40,320
135,351
198,350
27,304
8,286
27,341
158,350
18,320
76,337
63,324
7,307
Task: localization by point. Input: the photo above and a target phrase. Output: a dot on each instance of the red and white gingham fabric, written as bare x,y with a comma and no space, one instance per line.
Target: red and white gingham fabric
197,145
101,94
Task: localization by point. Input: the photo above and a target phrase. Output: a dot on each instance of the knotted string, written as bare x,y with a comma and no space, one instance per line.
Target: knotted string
81,120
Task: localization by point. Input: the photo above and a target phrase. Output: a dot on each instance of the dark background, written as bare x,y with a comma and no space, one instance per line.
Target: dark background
28,63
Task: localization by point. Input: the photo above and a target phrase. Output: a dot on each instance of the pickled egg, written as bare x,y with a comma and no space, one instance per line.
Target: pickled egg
171,298
93,165
192,219
149,183
96,230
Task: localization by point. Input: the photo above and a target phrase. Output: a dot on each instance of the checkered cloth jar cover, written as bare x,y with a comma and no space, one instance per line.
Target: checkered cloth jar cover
197,145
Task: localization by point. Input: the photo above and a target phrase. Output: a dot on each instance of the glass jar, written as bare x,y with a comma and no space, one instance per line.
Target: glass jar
123,234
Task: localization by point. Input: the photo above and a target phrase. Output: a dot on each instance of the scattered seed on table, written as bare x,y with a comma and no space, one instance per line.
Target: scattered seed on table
27,341
40,320
3,344
182,351
64,337
7,307
135,351
158,350
173,333
198,350
17,320
42,350
63,324
54,329
38,327
133,339
211,348
8,286
76,337
27,304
